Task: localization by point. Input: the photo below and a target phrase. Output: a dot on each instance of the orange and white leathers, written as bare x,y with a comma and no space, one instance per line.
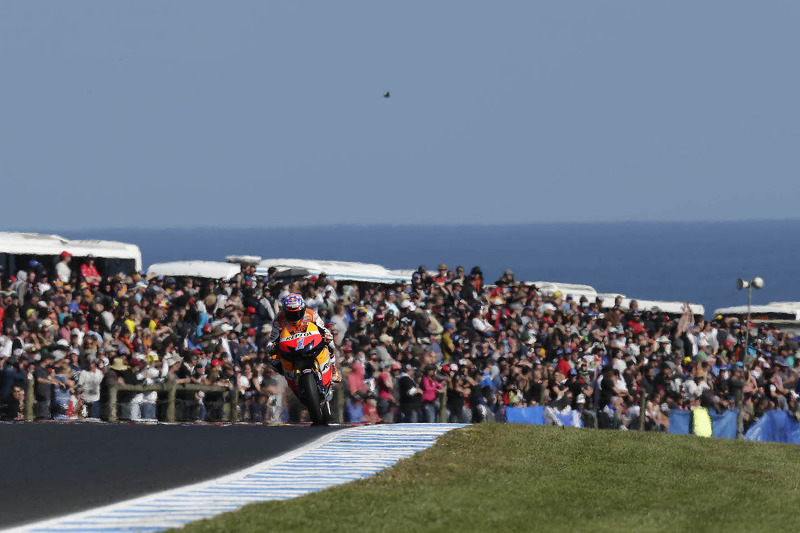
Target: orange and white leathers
310,315
296,335
282,322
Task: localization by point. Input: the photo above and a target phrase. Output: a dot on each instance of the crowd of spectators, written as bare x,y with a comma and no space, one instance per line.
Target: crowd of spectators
445,345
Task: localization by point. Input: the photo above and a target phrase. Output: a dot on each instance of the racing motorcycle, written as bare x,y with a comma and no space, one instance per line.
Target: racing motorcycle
306,364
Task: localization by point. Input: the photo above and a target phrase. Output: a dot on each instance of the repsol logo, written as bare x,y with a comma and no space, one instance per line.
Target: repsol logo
299,336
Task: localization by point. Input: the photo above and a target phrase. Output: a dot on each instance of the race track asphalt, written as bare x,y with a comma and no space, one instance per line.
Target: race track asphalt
51,469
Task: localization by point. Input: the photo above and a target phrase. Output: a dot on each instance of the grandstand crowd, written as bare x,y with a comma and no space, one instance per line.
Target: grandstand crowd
448,345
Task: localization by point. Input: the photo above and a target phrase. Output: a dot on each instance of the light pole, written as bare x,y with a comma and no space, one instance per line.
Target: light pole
756,282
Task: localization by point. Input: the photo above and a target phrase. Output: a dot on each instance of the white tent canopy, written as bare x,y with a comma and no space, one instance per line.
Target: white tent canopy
339,270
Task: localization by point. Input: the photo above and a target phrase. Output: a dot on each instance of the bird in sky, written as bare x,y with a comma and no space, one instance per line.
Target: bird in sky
386,95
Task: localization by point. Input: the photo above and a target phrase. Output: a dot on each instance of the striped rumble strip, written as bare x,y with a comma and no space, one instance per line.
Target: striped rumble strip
336,458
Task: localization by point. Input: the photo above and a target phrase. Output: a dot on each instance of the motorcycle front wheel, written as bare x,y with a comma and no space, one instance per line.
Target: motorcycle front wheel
308,384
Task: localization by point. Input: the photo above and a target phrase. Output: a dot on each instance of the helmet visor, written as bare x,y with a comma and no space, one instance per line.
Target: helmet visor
296,315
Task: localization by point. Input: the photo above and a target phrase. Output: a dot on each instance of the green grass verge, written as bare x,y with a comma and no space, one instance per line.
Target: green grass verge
508,477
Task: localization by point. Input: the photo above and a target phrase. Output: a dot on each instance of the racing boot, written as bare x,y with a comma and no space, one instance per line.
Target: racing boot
336,376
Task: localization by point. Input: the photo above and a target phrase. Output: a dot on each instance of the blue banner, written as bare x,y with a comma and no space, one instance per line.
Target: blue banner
775,426
680,422
571,419
525,415
724,425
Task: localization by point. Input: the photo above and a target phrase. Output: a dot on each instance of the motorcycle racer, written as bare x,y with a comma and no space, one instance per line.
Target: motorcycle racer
295,313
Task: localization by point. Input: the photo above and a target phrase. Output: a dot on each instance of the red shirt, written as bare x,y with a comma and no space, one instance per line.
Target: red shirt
563,367
88,272
384,392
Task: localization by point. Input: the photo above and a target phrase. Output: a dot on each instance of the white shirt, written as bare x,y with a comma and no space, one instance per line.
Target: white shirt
63,272
90,381
480,324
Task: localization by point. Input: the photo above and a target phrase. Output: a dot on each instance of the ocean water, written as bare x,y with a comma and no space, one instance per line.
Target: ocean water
698,262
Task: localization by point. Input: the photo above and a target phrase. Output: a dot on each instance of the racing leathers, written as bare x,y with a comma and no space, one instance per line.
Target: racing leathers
309,316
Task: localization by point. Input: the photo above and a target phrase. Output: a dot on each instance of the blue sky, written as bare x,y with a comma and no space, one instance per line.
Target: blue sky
233,114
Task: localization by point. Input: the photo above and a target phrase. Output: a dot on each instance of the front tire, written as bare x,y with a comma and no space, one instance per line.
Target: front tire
308,384
326,413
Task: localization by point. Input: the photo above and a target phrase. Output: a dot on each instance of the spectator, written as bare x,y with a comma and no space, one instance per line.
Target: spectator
13,408
63,271
357,393
431,387
457,391
44,375
89,380
89,272
488,346
385,386
409,396
63,405
13,372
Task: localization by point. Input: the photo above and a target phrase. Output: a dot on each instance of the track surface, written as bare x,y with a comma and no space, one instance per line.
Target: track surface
50,469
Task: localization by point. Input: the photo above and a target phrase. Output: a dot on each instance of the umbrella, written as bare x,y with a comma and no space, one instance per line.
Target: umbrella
294,272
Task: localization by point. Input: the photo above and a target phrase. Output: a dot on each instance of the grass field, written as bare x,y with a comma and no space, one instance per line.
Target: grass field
508,477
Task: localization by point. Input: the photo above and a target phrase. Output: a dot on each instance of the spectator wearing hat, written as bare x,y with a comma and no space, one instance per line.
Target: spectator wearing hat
441,274
128,401
587,416
44,375
476,275
63,271
507,278
25,285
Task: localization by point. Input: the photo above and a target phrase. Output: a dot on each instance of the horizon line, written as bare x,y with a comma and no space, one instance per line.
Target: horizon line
415,225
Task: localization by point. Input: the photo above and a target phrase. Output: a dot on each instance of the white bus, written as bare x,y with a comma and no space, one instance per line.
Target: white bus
111,257
215,270
339,270
673,309
784,315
